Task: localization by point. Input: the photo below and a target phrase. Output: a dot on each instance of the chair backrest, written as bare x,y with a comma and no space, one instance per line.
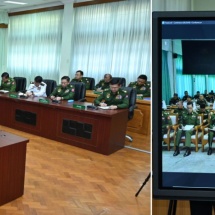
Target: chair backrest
92,82
51,84
20,84
132,94
80,90
122,81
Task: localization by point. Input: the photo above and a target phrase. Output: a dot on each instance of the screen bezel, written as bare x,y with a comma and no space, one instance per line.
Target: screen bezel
158,191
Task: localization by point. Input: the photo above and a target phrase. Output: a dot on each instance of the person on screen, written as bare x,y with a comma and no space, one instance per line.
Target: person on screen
174,99
211,133
210,97
180,109
37,88
188,118
186,95
7,83
166,122
201,100
64,91
115,97
79,78
205,93
189,99
104,84
197,95
141,86
205,113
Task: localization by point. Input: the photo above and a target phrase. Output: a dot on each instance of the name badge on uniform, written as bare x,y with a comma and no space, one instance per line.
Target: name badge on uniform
119,97
59,90
66,91
108,96
142,88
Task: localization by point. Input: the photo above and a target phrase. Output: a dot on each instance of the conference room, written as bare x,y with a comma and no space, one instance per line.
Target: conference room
98,170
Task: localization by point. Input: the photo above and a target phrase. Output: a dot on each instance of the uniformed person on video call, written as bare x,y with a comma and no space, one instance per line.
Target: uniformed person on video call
188,118
37,88
64,91
166,121
79,78
115,97
104,84
211,133
7,83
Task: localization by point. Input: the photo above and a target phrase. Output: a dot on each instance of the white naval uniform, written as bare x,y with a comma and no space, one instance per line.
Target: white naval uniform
38,91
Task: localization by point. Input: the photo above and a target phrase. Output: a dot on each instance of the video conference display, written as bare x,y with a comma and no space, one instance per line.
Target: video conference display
182,161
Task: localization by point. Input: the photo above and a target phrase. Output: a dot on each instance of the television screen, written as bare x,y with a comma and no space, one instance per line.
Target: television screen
183,105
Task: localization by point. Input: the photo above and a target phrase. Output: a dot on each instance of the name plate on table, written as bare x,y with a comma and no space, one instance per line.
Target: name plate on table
14,96
81,107
44,101
96,92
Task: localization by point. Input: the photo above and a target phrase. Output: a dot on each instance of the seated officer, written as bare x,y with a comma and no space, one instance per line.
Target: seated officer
185,96
202,100
104,84
37,88
188,118
180,109
166,122
115,97
197,95
7,83
211,133
210,97
205,113
141,86
64,91
174,99
189,99
79,78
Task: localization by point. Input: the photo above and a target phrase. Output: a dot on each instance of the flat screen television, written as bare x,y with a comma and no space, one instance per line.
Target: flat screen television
178,177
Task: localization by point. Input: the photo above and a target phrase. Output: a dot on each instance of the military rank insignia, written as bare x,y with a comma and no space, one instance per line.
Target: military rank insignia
108,95
66,91
59,90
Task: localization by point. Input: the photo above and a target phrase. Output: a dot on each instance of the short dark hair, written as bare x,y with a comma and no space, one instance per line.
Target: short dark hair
115,81
5,75
190,103
38,79
109,75
175,94
143,77
66,77
82,73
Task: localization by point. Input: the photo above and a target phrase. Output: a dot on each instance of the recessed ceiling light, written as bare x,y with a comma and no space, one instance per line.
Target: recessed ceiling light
14,2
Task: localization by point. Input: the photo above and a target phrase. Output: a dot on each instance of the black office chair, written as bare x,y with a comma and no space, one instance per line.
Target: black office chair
20,84
80,91
132,94
122,81
51,84
92,82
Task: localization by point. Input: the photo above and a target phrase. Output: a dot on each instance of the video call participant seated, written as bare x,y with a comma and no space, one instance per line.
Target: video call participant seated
185,96
211,133
115,97
197,95
188,118
180,109
210,98
37,88
79,78
141,86
174,99
205,113
166,122
202,100
64,91
104,84
189,99
7,83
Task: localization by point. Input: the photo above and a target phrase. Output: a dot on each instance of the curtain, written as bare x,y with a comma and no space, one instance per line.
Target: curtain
166,91
112,38
211,83
35,44
200,83
184,82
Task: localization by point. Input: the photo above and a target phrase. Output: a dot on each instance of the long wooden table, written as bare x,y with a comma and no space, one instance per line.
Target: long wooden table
141,122
101,131
12,166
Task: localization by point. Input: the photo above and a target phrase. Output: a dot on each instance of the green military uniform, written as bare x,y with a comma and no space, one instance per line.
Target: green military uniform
211,133
200,102
143,89
187,119
120,98
84,80
166,120
66,93
9,85
173,101
205,114
180,111
103,85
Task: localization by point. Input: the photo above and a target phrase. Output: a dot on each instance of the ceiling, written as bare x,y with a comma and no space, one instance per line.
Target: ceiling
32,4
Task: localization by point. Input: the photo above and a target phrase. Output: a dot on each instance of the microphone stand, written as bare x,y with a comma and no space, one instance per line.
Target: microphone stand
144,183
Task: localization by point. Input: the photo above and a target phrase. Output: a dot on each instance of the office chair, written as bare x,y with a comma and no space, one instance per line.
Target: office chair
51,84
132,94
20,84
80,91
122,81
92,82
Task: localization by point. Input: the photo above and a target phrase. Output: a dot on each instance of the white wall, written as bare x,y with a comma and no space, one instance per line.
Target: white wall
202,5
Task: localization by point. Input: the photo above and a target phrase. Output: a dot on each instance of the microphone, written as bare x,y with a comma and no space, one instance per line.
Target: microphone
92,107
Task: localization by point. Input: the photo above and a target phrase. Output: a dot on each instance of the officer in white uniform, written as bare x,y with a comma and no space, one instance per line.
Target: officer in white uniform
37,88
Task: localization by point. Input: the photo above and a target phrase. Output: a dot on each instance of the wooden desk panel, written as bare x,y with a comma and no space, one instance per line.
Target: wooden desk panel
12,166
56,121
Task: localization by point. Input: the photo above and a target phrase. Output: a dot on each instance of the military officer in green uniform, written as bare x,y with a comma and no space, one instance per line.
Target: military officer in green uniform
64,91
205,113
180,109
174,99
79,78
166,121
211,133
188,118
115,97
201,100
141,86
104,84
7,83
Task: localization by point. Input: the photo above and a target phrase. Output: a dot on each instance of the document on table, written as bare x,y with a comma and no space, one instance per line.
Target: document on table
4,91
104,107
188,127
